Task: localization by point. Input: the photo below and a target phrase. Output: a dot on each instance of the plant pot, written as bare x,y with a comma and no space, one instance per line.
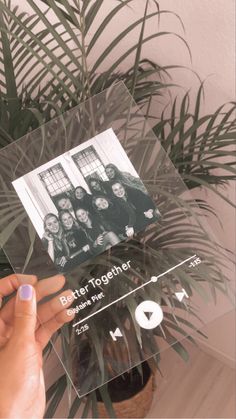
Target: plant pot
137,396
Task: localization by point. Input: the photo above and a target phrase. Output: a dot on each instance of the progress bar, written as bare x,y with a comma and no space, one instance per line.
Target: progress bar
153,279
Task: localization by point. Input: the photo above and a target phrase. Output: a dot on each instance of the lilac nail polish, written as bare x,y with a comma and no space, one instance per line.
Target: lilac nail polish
25,292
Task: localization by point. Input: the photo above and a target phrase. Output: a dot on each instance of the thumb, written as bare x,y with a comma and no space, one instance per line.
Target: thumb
25,312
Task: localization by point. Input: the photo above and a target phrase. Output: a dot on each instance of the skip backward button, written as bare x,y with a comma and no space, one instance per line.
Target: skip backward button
148,314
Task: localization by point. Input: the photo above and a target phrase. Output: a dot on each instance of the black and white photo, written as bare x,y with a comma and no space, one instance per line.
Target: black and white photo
86,201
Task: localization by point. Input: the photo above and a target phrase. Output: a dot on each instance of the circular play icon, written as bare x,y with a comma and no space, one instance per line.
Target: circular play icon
148,314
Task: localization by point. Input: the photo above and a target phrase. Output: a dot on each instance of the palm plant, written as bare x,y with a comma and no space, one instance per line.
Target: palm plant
48,69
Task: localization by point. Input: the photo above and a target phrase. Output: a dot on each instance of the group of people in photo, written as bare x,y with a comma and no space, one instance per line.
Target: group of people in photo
90,223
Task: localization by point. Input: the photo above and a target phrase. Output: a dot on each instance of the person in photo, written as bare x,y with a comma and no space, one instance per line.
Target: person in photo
98,186
117,217
83,199
75,238
125,178
54,242
145,210
95,231
63,202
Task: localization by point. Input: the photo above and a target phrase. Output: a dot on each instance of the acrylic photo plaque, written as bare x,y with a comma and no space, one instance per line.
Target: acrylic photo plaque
92,194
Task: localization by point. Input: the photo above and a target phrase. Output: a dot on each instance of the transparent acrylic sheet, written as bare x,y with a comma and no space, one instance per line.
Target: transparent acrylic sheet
123,286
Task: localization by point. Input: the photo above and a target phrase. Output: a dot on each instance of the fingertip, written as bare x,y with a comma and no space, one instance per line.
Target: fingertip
49,286
11,277
27,279
65,316
26,292
68,315
25,313
26,300
71,293
60,279
66,298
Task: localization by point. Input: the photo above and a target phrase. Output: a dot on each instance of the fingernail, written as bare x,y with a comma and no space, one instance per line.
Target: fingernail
25,292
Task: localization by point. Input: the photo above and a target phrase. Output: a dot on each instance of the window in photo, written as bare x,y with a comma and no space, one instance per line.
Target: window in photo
55,180
90,164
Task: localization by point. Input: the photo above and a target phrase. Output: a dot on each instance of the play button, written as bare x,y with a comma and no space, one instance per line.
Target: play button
148,314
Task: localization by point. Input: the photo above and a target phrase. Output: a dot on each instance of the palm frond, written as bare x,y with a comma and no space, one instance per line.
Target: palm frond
196,144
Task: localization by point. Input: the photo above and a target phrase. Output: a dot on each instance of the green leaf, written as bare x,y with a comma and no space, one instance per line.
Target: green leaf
32,237
75,407
92,14
86,409
107,401
202,182
180,349
105,22
95,413
116,41
11,90
57,389
139,49
9,230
